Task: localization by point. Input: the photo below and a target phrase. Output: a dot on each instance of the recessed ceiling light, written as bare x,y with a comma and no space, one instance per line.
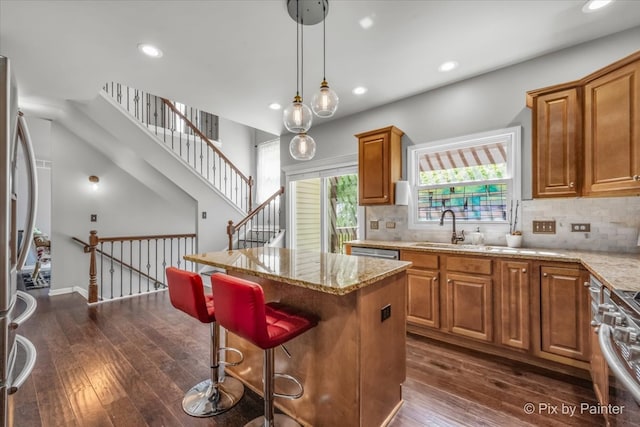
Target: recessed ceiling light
366,22
275,106
360,90
593,5
448,66
150,50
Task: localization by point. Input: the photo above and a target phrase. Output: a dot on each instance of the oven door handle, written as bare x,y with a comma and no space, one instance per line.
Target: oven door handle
618,368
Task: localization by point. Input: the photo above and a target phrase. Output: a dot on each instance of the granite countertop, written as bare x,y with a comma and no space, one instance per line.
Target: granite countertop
614,270
325,272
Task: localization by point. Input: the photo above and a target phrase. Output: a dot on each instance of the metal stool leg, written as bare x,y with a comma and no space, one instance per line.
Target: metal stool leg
269,419
213,396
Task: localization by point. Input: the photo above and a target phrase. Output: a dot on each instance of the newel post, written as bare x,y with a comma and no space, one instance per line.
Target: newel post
91,249
230,231
250,193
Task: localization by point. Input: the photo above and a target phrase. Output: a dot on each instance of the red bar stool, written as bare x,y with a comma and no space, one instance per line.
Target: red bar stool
241,309
215,395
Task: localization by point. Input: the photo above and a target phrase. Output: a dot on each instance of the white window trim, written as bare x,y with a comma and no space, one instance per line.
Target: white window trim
514,171
343,165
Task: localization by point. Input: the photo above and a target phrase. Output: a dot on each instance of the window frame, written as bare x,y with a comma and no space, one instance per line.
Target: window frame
513,137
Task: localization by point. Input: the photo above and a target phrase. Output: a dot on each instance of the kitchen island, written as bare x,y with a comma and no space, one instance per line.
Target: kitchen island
353,363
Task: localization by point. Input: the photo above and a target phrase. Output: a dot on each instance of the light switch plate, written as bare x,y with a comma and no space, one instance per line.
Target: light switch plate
94,217
373,225
544,227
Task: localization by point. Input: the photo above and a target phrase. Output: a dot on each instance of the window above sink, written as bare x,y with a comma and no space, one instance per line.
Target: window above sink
477,176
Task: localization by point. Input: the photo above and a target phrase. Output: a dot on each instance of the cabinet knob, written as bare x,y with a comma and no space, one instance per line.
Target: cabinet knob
448,280
435,278
524,270
544,274
585,284
636,177
571,184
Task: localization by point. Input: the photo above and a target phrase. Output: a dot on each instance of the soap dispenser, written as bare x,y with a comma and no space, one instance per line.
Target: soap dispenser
477,238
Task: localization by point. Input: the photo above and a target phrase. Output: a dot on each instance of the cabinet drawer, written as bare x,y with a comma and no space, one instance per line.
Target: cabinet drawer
420,259
469,265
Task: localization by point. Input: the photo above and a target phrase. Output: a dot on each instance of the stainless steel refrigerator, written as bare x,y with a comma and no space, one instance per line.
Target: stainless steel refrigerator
17,354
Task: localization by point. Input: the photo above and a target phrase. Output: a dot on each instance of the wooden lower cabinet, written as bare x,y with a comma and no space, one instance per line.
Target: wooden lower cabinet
469,306
423,297
565,313
514,304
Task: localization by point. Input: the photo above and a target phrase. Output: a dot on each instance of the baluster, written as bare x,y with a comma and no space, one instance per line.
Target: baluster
148,263
121,270
164,262
208,151
130,270
139,266
171,253
155,285
111,269
178,246
101,269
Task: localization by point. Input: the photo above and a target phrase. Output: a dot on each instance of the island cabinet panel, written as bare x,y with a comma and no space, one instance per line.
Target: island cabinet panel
612,136
379,165
514,303
557,122
564,315
423,298
469,306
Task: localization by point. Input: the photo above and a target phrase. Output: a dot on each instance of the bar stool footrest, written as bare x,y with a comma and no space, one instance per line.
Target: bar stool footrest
292,396
233,350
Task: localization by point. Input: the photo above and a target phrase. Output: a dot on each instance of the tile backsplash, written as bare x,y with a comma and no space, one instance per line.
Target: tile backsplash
615,222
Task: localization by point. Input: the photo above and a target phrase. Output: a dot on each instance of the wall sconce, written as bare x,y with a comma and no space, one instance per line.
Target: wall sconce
94,180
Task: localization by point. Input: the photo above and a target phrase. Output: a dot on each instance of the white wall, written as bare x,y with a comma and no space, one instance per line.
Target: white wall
494,100
491,101
123,204
237,144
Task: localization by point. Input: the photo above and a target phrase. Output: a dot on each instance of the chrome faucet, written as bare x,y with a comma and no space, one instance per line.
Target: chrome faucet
454,236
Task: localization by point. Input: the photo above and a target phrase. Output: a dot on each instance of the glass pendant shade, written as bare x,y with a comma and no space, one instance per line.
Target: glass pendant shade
325,102
297,116
302,147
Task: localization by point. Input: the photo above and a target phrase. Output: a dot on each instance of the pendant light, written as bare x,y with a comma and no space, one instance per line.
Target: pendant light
325,102
302,147
297,116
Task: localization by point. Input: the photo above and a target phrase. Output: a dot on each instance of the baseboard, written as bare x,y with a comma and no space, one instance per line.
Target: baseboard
69,290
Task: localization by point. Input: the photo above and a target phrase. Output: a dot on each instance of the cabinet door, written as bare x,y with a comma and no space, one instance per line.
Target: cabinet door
564,322
469,306
373,167
612,133
556,144
423,298
514,304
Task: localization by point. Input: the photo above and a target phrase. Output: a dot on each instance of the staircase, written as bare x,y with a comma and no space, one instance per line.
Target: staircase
190,134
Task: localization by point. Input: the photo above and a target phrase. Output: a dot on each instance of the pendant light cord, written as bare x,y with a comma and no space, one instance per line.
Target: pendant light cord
324,43
302,59
297,49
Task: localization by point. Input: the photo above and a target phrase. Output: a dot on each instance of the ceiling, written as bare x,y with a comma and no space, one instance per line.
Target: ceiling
234,58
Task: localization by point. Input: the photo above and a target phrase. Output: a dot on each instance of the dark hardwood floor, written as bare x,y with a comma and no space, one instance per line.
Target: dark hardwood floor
129,362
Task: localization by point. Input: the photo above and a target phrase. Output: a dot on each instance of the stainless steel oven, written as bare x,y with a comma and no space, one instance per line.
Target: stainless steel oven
616,321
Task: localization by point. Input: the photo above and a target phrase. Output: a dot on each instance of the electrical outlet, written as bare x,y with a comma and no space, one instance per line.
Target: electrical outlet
373,225
204,214
391,224
385,312
94,217
581,228
544,227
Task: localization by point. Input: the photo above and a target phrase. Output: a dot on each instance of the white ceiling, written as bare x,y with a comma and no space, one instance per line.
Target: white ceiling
234,58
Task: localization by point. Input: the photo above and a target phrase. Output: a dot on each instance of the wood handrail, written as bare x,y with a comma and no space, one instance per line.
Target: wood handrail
151,237
231,227
204,137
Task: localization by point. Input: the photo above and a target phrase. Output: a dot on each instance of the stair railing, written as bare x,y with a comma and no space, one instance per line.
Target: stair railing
125,266
259,227
187,131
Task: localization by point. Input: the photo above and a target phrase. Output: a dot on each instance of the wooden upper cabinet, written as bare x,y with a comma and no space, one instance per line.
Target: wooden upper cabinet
557,123
379,165
612,132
